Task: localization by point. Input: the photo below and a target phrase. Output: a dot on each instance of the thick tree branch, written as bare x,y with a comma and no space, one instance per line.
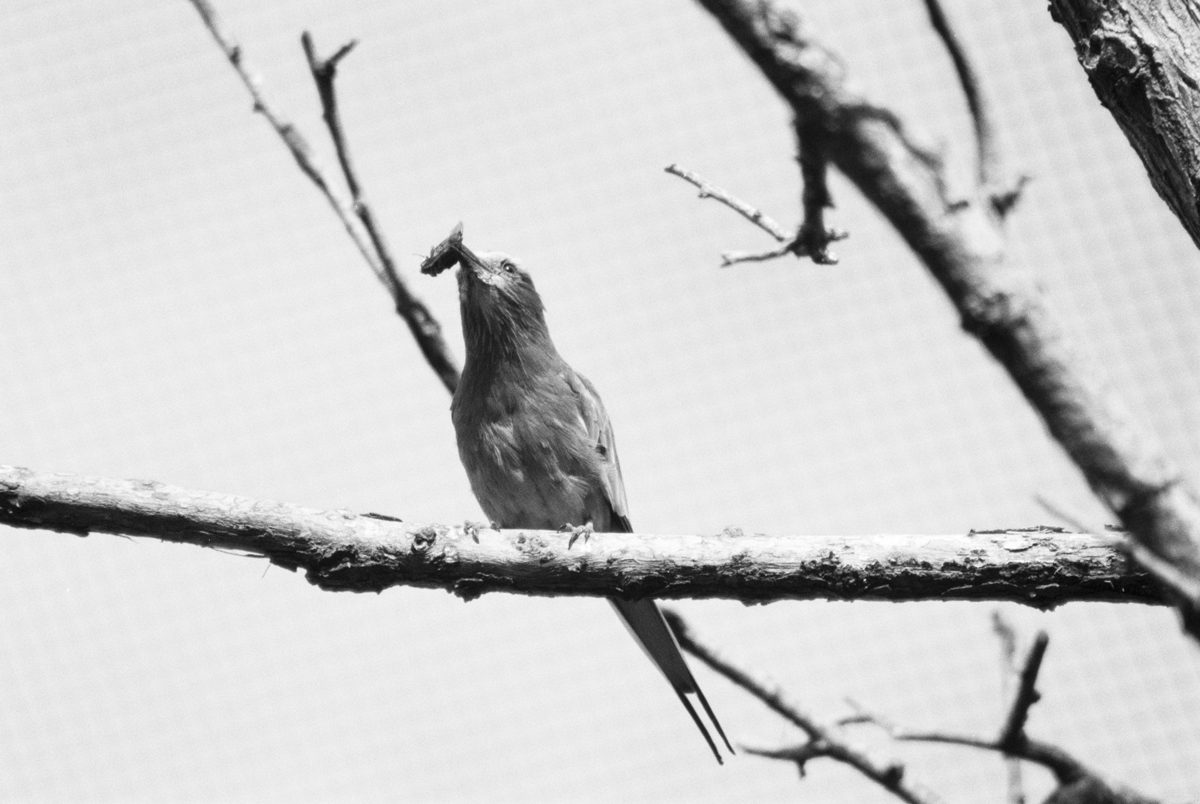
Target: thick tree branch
961,244
340,550
1143,60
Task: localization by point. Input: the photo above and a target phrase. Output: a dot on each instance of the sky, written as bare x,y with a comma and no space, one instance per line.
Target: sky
180,305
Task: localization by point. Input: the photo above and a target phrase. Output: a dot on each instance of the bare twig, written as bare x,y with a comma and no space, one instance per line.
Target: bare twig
823,740
811,240
992,182
1027,694
287,131
987,154
963,247
1071,774
1007,637
421,322
755,216
345,551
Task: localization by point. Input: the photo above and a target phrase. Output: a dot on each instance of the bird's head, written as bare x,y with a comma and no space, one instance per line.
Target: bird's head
499,302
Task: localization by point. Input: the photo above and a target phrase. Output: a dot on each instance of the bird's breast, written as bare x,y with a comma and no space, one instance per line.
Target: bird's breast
528,460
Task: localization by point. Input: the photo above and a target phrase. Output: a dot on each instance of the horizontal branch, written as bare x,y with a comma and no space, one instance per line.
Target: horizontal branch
341,550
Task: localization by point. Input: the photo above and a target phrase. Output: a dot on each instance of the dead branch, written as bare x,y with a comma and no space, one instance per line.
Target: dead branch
424,327
961,243
344,551
823,740
1076,781
1006,635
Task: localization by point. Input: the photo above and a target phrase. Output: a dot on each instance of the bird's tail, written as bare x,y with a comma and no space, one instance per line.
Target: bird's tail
645,621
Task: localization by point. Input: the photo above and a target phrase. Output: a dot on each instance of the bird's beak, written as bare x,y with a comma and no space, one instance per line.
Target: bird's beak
471,264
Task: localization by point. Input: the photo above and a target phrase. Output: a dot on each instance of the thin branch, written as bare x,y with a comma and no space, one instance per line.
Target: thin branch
812,239
1071,774
344,551
287,131
729,258
1002,194
1067,770
963,247
1007,637
1027,694
987,153
823,740
421,322
755,216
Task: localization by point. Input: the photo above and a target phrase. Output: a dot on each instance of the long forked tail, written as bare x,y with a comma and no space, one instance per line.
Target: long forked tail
645,621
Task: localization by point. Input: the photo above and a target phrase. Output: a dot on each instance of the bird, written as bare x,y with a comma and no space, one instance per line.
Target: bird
536,441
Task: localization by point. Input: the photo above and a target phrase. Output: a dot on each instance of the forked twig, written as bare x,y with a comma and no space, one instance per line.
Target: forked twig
750,213
989,172
823,740
368,240
1071,774
424,327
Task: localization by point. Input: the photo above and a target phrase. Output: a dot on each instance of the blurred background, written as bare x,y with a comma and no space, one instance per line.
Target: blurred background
179,304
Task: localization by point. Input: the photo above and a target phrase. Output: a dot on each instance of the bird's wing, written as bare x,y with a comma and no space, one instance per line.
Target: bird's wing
643,618
600,432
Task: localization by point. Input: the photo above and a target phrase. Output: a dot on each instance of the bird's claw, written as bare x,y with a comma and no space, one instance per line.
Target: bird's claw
576,532
472,529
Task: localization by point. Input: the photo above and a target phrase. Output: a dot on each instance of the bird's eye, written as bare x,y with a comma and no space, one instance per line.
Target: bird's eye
508,267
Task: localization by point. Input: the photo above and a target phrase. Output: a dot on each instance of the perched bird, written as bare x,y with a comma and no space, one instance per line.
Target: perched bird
535,439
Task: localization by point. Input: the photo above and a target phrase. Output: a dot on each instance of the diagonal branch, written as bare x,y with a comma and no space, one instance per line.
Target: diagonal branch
987,150
823,740
1007,636
343,551
812,239
962,245
706,190
421,322
1027,694
1142,60
296,144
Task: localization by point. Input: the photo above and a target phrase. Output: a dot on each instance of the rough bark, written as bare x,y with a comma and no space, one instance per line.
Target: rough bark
1142,58
344,551
961,243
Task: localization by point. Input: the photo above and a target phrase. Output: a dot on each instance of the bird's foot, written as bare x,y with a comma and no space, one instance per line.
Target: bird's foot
472,529
576,532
